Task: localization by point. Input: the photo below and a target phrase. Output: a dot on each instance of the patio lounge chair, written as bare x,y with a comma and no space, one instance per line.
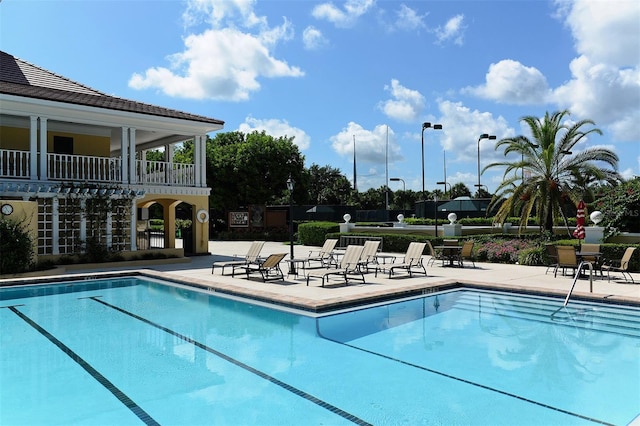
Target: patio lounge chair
566,259
594,260
368,256
412,260
349,266
252,257
621,266
269,269
325,254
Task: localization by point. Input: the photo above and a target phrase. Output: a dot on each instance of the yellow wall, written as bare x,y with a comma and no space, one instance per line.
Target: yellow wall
197,202
18,139
25,213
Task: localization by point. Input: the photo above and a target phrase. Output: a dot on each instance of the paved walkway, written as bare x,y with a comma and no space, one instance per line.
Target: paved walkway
294,291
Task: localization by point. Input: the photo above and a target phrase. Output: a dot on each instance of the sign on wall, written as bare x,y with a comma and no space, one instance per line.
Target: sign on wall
239,219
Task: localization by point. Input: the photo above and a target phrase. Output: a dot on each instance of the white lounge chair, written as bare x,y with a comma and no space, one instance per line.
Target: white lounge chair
349,267
412,260
252,257
368,256
325,254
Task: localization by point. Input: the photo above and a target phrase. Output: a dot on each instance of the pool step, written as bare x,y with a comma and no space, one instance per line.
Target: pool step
621,320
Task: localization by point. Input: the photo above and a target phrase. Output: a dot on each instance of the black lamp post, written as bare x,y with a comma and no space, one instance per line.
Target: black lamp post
445,183
482,136
533,146
426,125
290,186
404,189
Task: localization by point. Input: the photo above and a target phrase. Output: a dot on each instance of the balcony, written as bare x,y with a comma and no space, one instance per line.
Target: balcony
84,168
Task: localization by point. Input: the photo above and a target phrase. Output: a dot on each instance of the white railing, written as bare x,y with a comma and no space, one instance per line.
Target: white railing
14,164
165,173
84,168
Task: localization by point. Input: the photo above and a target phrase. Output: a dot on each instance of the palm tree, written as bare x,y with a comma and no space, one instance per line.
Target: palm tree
552,168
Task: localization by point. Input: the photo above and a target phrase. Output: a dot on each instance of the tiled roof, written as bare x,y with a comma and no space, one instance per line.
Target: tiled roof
21,78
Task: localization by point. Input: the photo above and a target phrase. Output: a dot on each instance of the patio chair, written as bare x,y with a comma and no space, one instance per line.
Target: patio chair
325,254
252,257
412,260
467,253
566,259
433,254
594,260
368,256
269,269
552,254
349,266
621,265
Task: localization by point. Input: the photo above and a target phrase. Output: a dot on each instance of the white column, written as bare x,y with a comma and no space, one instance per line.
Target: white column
43,148
132,156
197,159
203,161
124,153
132,224
55,225
33,147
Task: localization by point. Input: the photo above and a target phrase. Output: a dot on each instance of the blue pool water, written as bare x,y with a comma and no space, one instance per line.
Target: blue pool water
134,351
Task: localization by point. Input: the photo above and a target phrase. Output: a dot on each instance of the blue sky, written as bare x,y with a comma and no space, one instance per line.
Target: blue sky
372,71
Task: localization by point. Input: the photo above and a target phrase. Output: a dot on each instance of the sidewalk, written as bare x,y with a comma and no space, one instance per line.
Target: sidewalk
294,291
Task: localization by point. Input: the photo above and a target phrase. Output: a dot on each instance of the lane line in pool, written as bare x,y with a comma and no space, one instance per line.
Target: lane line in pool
240,364
122,397
469,382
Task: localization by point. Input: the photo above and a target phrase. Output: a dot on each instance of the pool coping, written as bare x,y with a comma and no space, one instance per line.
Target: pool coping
327,305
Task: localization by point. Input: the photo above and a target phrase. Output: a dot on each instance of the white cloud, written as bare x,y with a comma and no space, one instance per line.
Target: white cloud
605,83
607,95
408,19
607,31
313,38
221,63
371,145
452,30
277,128
406,104
469,125
345,17
509,81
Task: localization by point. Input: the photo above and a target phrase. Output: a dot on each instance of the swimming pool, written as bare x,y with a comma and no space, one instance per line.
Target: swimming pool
137,351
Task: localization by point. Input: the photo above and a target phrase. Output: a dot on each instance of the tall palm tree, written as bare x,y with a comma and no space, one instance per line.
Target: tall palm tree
551,167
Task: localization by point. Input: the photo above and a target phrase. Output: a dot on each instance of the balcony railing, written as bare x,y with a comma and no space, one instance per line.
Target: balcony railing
165,173
85,168
14,164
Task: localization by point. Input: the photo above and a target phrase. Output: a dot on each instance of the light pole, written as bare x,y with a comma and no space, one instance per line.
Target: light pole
290,186
445,183
482,136
404,189
426,125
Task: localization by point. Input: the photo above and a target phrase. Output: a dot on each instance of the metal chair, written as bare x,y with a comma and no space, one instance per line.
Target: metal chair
622,265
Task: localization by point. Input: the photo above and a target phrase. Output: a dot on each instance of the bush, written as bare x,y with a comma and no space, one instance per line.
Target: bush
314,233
16,247
502,251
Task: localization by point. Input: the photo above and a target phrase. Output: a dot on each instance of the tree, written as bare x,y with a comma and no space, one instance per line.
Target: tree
459,190
253,169
620,206
327,185
552,166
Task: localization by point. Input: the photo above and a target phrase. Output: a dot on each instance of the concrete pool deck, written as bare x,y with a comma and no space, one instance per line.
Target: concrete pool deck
294,292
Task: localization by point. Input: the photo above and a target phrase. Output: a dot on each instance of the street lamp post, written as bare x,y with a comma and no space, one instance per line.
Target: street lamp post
445,183
482,136
404,189
532,145
427,125
290,186
435,202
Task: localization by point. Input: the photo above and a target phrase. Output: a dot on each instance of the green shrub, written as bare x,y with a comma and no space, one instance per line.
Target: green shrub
16,247
314,233
533,256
